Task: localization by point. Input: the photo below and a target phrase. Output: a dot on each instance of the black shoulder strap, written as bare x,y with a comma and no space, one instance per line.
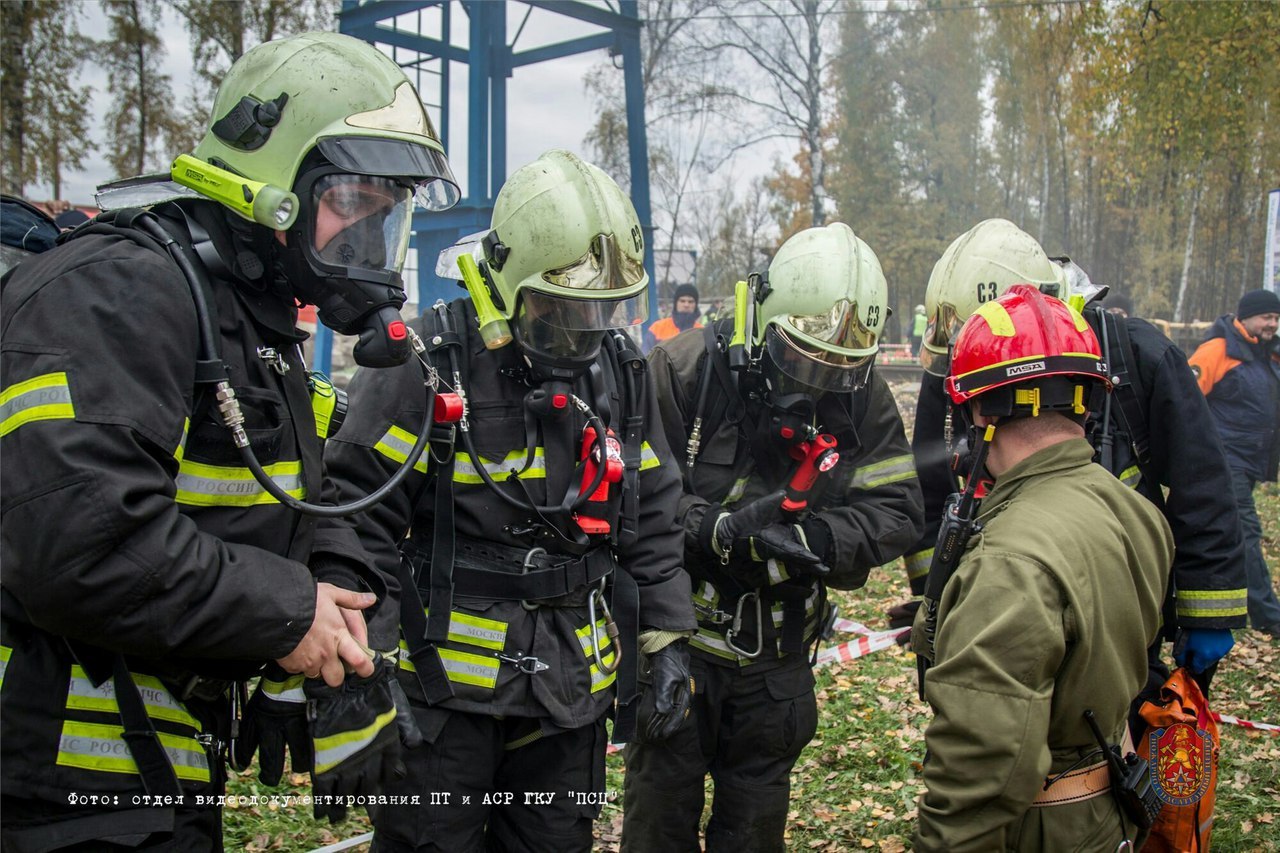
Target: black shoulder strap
1129,391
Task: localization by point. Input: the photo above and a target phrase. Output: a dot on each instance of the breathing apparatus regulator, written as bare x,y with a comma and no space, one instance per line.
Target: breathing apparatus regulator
321,139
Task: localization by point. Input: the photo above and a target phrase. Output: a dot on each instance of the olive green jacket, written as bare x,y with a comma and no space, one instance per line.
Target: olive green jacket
1049,613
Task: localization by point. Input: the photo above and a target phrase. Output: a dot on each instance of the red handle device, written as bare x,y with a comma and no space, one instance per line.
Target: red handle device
612,474
820,456
448,409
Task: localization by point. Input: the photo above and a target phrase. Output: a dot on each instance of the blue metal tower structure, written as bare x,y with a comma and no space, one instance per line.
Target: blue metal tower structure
491,59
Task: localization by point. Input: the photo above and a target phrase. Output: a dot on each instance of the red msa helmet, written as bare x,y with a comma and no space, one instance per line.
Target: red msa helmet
1027,352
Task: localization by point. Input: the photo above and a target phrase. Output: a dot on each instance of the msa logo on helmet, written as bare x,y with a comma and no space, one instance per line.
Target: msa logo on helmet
1023,369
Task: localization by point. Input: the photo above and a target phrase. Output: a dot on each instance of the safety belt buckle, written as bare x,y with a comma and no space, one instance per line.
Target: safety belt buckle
528,664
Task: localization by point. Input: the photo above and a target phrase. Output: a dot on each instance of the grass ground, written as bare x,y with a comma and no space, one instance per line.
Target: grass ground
856,785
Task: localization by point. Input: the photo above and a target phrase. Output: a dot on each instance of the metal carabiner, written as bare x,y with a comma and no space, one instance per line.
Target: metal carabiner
527,664
737,627
610,628
524,570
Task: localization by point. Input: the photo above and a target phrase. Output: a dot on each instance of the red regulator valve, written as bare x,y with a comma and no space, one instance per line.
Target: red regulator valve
612,474
820,456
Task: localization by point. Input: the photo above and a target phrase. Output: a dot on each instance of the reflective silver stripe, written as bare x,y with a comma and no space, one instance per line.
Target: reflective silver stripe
181,449
465,471
599,680
335,749
918,563
712,643
41,398
1212,603
1131,476
93,746
405,663
648,459
706,594
466,668
213,485
736,491
396,444
159,702
5,653
777,571
476,630
290,690
882,473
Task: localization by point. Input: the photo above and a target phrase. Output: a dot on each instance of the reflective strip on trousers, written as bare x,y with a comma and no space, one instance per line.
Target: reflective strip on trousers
465,471
335,749
93,746
159,702
290,690
1212,603
599,680
214,485
396,444
5,653
882,473
41,398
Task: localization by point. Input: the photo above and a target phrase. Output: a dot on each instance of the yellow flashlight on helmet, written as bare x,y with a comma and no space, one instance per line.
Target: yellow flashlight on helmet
264,204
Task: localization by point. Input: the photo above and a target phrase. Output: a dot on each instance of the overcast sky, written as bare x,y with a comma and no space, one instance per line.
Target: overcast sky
547,103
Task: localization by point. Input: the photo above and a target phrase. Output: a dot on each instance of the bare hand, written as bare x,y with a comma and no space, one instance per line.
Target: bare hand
337,636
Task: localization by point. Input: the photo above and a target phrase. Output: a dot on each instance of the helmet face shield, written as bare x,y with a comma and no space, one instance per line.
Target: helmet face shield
841,327
804,367
435,187
360,222
942,330
559,327
603,267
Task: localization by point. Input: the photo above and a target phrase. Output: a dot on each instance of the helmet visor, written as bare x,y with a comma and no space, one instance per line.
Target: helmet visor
570,328
935,355
604,267
815,368
361,222
840,328
435,187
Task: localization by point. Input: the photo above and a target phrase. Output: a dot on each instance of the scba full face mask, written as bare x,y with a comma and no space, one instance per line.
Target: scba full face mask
346,253
559,328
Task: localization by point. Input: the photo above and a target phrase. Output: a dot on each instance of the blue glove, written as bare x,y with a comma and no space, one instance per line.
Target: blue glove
1199,649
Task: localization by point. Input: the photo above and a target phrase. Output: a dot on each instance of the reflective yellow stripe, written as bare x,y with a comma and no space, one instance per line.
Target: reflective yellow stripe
648,459
213,485
290,690
41,398
882,473
777,572
471,669
736,491
182,442
1208,603
405,663
476,630
465,471
918,563
1131,476
335,749
599,680
159,702
323,401
998,319
91,746
396,444
713,643
5,653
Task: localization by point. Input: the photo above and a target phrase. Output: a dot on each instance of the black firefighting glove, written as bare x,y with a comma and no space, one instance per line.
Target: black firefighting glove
787,544
358,730
666,701
274,718
726,531
903,616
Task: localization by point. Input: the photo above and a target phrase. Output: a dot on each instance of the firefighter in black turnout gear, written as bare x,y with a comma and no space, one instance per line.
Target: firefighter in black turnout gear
1156,435
797,476
536,553
146,571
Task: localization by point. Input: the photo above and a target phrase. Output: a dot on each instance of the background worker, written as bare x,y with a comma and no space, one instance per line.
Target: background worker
1051,608
684,315
1157,435
1238,369
919,323
145,569
525,565
760,573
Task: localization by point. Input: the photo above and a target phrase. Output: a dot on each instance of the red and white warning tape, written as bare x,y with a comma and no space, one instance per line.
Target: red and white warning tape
1245,724
869,641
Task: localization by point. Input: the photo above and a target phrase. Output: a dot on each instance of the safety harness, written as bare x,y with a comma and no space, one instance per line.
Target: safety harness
554,575
1127,391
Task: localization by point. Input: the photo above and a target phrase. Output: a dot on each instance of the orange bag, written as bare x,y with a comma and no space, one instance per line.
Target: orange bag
1181,744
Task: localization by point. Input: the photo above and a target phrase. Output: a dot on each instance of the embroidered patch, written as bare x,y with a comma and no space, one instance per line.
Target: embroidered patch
1180,766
